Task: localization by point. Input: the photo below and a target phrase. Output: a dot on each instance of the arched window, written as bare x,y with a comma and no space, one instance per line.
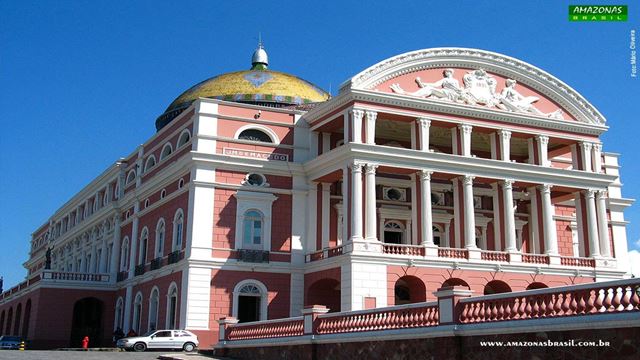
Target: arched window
252,229
154,301
118,320
393,232
124,254
166,151
437,235
116,192
257,133
160,234
151,162
163,193
180,183
255,179
137,311
172,306
496,287
178,228
131,177
144,241
184,138
250,301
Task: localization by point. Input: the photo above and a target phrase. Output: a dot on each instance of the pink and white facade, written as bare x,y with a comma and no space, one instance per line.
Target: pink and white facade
428,168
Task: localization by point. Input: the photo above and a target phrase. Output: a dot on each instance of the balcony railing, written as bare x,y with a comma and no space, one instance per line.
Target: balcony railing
396,249
48,275
173,257
456,253
156,263
140,270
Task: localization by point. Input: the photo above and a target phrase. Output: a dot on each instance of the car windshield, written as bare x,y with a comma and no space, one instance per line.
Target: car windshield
9,338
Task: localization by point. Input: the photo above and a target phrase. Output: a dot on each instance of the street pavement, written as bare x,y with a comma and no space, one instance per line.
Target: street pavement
97,355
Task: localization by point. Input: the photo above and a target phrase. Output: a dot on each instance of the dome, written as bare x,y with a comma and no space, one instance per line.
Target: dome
255,86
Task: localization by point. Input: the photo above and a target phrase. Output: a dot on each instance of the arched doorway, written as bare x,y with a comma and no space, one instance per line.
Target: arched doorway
87,321
16,323
250,301
27,318
2,321
7,329
536,285
324,292
496,287
408,290
455,282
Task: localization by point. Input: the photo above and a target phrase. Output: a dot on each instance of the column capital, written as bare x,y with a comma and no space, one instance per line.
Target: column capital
505,134
601,194
467,179
371,115
370,168
545,188
357,113
356,167
424,175
424,122
586,145
597,146
589,193
543,139
507,184
466,128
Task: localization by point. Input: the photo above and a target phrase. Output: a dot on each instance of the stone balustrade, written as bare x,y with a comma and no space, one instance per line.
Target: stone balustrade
454,306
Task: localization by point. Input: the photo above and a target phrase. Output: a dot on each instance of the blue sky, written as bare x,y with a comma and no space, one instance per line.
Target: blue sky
83,81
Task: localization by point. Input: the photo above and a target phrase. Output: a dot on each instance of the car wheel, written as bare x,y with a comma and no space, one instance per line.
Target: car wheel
189,347
139,347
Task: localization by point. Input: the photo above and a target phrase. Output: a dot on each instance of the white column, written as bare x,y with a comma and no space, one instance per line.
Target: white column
313,143
312,218
592,223
370,204
346,127
542,143
423,133
426,230
469,214
115,253
356,124
356,202
497,223
414,210
465,135
94,259
603,223
534,232
326,211
371,127
326,142
133,244
585,155
580,225
457,234
103,257
549,225
504,136
597,157
345,205
509,216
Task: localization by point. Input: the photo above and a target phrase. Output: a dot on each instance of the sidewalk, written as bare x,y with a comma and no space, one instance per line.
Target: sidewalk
189,356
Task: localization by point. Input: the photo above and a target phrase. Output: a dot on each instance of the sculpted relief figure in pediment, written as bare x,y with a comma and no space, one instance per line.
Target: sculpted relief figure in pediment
512,100
479,89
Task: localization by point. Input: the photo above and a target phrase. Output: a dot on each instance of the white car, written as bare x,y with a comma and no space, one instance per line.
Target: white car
161,339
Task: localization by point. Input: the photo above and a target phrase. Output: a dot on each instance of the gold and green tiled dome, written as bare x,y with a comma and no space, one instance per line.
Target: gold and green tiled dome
255,86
